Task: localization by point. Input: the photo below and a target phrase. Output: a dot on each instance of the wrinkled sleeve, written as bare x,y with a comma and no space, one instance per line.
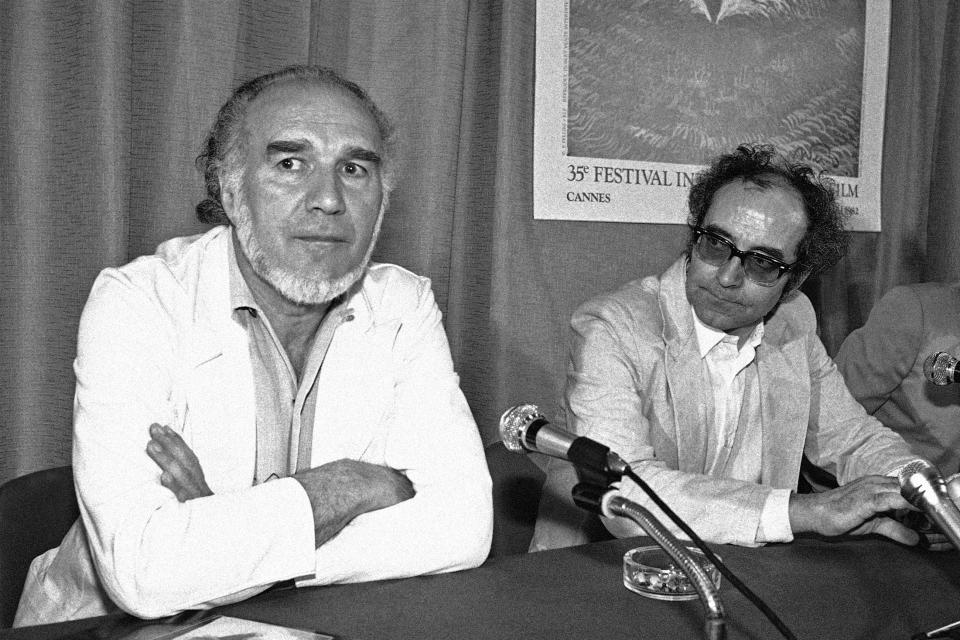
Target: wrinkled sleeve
875,359
154,555
434,440
614,394
841,437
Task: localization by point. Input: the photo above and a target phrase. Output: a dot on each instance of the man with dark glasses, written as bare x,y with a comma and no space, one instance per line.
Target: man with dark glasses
711,381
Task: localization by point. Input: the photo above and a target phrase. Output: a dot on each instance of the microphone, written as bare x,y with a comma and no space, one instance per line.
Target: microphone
922,486
940,368
523,428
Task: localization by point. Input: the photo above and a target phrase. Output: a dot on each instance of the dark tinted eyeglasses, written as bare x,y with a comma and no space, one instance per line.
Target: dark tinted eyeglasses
715,250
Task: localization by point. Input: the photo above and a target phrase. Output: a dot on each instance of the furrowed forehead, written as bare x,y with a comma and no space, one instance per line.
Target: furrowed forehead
293,116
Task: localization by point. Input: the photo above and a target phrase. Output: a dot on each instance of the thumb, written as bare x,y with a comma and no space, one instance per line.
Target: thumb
889,528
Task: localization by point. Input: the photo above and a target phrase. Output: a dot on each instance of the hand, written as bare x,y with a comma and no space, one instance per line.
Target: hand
341,490
852,509
181,471
930,535
935,542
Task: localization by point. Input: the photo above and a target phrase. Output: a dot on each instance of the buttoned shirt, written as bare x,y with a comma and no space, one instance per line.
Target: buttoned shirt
735,436
285,406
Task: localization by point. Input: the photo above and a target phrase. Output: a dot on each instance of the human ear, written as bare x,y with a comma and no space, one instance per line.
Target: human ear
228,198
800,279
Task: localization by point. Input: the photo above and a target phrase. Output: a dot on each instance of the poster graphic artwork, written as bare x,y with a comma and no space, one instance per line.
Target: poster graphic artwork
634,97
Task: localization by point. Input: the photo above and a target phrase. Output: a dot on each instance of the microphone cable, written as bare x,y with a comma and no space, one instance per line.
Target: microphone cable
734,580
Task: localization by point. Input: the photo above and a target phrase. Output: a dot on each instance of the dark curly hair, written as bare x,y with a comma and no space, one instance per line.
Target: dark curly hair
826,238
223,149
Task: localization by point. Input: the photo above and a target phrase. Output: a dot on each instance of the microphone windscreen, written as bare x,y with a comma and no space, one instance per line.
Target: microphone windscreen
920,482
938,368
916,466
513,422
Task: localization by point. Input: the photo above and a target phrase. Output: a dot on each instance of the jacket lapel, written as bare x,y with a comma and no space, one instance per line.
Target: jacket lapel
683,370
217,403
355,385
784,404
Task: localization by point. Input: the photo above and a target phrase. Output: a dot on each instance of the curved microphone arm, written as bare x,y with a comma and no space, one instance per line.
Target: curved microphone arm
609,503
714,627
523,428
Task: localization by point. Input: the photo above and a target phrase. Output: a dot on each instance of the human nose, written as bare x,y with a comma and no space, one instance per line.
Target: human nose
325,194
730,273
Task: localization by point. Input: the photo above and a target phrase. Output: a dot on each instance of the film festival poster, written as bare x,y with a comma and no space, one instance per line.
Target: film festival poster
634,97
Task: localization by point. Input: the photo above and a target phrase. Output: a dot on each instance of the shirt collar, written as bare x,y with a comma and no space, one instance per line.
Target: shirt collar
708,337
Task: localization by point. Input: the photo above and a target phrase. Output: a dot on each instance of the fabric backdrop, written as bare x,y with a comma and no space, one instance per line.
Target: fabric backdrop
103,105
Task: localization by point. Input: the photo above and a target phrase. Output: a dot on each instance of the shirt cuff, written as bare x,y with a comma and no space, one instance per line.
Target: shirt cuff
775,518
301,535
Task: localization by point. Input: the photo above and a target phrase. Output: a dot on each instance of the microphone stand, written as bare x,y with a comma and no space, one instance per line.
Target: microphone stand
604,500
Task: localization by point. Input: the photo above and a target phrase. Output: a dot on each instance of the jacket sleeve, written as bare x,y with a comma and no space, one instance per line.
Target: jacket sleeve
841,437
154,555
875,359
616,394
434,440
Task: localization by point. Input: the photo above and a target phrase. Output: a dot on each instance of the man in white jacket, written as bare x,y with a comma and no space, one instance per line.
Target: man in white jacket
260,403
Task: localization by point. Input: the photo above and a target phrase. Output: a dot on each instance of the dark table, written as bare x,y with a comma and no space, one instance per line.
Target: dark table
868,589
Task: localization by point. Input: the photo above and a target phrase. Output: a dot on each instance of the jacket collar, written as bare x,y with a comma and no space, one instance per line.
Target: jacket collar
683,368
779,327
781,374
213,309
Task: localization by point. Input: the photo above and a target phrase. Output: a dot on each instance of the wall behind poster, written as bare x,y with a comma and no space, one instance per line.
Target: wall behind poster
633,97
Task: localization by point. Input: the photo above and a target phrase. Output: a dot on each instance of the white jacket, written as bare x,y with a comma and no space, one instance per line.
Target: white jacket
157,343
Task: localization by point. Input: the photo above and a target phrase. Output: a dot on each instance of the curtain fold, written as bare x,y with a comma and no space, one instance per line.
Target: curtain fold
104,105
920,172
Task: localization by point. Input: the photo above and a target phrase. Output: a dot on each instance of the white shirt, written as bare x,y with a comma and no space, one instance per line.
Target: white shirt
736,442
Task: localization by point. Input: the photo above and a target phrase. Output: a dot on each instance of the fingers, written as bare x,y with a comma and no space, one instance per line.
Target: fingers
171,443
181,472
178,490
166,450
403,488
875,494
935,541
849,508
889,528
887,500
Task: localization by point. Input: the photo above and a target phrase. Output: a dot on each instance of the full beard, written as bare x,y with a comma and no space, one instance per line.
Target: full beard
299,288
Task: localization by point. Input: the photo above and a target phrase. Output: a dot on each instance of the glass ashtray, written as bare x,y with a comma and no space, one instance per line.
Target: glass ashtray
651,572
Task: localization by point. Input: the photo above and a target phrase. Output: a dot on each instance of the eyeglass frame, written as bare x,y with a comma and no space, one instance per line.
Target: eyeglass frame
782,266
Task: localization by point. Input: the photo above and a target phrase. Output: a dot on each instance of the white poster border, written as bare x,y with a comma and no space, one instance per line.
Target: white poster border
587,189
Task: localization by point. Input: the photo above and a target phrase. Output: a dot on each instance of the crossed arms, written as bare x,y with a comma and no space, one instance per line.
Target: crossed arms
400,488
339,491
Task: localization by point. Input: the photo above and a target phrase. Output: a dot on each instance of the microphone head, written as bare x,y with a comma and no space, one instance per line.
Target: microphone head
938,368
921,483
514,423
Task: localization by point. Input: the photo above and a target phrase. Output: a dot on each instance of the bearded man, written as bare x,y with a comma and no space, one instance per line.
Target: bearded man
261,403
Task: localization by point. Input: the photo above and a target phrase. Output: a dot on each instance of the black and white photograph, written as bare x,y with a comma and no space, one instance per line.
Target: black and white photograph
479,319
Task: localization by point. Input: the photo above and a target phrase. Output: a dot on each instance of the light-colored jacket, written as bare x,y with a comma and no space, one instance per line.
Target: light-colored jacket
158,343
635,383
883,360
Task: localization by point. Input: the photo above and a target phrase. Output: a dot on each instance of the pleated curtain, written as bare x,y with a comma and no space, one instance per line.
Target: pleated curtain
104,103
